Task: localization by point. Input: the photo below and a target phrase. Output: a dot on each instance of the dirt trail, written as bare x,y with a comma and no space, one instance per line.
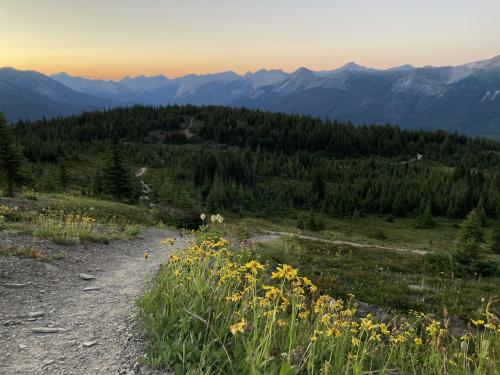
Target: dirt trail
273,235
98,326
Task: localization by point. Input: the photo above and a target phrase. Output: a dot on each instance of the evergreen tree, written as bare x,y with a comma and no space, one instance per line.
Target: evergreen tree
318,189
63,175
495,239
118,181
425,218
467,254
12,162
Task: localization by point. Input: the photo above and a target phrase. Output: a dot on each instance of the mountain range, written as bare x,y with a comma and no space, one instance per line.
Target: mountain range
463,98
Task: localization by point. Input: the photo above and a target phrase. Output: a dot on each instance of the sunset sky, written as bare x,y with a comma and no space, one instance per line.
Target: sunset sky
114,38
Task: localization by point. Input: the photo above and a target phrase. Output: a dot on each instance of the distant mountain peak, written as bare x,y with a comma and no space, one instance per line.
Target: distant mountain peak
352,66
494,62
401,68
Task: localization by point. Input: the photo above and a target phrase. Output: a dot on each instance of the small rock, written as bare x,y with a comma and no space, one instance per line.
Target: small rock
47,330
14,285
91,288
10,322
48,362
88,344
86,276
22,346
51,267
36,314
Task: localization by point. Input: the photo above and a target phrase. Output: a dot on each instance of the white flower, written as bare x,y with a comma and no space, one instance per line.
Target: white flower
203,217
220,219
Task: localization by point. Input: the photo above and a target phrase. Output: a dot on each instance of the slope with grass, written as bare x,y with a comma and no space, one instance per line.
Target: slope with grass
212,310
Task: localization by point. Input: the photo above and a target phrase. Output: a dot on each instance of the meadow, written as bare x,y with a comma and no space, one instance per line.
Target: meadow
212,310
66,219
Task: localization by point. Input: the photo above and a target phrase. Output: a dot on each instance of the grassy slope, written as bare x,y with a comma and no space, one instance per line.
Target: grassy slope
383,278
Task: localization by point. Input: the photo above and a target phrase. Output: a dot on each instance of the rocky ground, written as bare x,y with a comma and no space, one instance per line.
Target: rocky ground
76,315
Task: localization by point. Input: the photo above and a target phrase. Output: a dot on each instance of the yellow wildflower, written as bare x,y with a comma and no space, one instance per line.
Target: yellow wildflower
271,292
251,278
355,341
303,314
478,322
238,327
417,341
146,255
433,328
367,324
333,332
490,326
168,241
284,272
254,266
383,328
235,297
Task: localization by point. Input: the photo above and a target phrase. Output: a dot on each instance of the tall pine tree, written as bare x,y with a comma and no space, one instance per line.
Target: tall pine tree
13,165
118,180
495,239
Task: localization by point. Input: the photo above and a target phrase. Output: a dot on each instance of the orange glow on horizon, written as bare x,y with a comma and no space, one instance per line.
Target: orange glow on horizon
116,38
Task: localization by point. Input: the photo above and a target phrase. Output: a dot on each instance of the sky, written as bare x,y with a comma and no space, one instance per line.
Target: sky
110,39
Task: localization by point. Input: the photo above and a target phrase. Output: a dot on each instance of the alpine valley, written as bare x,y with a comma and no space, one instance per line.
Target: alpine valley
464,99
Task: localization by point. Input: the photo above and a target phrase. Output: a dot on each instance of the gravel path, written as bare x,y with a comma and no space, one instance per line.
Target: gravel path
270,236
53,321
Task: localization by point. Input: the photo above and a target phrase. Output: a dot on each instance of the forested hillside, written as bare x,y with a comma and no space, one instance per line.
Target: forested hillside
253,161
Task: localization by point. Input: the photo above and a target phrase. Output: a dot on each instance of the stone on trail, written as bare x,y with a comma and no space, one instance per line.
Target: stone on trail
86,276
88,344
36,314
91,288
51,268
47,330
13,286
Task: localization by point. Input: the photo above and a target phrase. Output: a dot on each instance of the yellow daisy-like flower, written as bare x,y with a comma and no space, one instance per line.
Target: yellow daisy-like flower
271,292
175,258
285,272
251,278
168,241
235,297
383,328
303,314
355,341
238,327
254,266
333,332
490,326
367,324
417,341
